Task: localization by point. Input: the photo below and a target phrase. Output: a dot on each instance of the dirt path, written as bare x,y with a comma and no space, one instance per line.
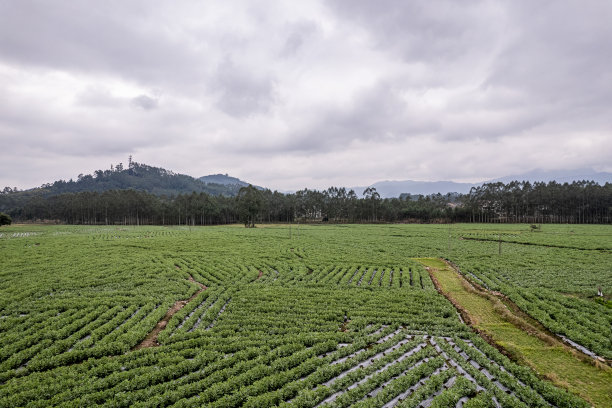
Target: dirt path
151,339
503,325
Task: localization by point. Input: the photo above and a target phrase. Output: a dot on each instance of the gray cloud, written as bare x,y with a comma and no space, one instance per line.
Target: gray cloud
96,97
344,92
242,92
376,114
145,102
110,37
298,35
436,33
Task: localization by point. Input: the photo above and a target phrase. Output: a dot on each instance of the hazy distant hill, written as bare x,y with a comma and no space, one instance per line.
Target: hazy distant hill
560,176
222,179
395,188
226,180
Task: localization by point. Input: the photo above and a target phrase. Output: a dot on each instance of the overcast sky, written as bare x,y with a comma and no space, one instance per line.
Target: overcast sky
294,94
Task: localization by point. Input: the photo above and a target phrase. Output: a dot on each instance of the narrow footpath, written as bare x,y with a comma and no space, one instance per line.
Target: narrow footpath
151,339
503,325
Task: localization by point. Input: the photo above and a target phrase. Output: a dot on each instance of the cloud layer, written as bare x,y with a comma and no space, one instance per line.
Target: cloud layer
305,94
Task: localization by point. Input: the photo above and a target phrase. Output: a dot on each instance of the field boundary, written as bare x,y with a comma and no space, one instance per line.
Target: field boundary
515,315
464,238
508,329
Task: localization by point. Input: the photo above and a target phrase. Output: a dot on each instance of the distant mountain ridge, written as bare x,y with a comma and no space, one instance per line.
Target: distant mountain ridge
394,188
560,176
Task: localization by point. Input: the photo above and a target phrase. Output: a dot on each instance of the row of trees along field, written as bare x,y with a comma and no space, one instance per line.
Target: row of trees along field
578,202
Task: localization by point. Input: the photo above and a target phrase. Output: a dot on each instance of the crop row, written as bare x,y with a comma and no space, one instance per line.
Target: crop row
344,275
379,368
74,336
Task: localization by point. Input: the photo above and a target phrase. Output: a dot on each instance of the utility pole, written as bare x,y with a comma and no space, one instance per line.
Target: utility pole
500,243
449,240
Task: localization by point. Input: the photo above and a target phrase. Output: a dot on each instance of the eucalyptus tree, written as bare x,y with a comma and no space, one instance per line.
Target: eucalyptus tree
371,195
249,203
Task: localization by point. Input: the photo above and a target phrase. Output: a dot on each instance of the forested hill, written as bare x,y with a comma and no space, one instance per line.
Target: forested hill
223,179
136,176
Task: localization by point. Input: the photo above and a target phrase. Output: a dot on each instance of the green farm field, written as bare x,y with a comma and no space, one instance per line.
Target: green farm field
280,315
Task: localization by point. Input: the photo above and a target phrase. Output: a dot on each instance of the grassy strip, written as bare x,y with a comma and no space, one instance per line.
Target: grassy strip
522,340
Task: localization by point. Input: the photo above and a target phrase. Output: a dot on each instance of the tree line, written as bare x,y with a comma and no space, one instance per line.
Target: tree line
581,202
578,202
